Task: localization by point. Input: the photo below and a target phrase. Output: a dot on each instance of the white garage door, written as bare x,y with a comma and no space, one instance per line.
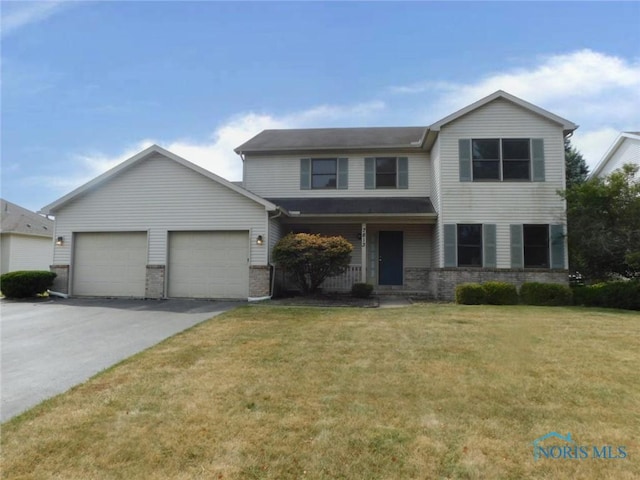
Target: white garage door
209,264
110,264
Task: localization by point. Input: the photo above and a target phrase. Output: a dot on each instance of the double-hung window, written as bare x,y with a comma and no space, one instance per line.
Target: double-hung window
386,172
324,173
506,159
535,240
469,243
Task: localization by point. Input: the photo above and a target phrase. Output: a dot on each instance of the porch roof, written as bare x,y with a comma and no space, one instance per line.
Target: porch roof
356,206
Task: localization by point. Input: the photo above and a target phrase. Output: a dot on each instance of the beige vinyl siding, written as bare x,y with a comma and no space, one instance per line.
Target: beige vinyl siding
160,195
435,200
26,252
628,152
275,234
501,203
279,177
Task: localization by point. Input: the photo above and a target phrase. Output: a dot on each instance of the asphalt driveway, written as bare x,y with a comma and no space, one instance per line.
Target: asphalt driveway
50,346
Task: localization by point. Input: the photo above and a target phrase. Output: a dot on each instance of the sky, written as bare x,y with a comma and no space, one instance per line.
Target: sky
86,85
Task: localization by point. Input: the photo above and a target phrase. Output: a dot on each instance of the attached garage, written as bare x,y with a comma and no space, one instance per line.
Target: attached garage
209,264
110,264
158,226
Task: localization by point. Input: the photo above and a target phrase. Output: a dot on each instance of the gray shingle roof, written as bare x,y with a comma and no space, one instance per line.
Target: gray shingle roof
359,205
334,139
16,219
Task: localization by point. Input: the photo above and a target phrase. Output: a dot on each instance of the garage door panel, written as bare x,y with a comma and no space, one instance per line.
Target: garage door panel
208,264
110,264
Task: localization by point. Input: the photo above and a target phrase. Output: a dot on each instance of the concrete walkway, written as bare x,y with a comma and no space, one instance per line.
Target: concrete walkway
50,346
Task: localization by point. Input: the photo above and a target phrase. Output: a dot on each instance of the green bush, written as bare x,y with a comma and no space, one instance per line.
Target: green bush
470,294
500,293
549,294
24,284
361,290
619,294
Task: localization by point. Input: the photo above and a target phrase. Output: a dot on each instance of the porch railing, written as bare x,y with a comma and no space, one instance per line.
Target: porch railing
338,283
343,282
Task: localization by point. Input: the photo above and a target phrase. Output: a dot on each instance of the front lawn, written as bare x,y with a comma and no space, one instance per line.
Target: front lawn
428,391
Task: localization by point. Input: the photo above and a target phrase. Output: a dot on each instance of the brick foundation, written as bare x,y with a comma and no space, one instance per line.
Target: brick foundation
259,281
61,282
443,281
154,282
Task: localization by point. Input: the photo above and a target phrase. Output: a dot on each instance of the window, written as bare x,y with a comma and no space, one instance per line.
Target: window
324,173
386,172
469,245
504,159
536,246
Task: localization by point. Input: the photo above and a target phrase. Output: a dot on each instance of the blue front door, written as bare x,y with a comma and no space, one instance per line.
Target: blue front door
391,258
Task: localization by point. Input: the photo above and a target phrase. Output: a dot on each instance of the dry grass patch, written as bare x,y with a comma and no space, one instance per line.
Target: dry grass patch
429,391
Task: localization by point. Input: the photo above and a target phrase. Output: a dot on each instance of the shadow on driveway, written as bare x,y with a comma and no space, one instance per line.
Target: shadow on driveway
51,345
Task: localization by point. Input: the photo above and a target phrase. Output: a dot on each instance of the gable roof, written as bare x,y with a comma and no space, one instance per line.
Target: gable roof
612,150
567,125
143,155
16,219
301,139
377,138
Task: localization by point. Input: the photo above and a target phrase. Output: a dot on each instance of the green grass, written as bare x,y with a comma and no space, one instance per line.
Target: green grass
428,391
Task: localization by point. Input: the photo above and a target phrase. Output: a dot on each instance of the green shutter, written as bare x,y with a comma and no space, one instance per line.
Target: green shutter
305,173
556,232
403,172
517,252
450,234
537,159
489,245
369,173
464,153
343,173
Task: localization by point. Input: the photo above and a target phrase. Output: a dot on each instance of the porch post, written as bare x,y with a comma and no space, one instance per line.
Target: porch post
363,255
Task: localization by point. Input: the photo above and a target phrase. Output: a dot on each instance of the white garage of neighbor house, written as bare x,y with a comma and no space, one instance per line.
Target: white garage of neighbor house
26,241
158,226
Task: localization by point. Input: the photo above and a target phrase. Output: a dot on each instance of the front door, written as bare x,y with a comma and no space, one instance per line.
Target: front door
391,258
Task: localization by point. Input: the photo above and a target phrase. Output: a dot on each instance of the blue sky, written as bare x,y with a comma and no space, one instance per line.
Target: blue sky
85,85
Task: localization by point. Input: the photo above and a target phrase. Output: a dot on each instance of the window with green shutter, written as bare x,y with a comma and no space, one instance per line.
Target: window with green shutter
501,159
386,172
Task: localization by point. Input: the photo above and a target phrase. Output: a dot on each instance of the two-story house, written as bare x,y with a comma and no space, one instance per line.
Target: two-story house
472,197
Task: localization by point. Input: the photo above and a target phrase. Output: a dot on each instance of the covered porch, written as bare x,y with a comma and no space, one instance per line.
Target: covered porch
392,250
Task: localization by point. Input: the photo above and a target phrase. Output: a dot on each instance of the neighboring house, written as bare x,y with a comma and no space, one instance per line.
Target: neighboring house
626,149
472,197
26,239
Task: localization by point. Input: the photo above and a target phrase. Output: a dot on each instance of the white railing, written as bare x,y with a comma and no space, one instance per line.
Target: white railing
343,282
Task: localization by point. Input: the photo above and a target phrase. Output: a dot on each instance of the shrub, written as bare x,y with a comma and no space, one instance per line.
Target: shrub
620,294
500,293
470,294
361,290
24,284
550,294
311,258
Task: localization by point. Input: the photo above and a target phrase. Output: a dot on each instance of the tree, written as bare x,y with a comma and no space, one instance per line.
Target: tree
310,258
603,221
576,169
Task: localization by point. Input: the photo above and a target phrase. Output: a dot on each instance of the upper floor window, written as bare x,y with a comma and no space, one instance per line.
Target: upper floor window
501,159
324,172
386,172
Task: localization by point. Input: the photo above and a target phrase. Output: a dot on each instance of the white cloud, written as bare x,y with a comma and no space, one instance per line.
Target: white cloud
598,91
16,15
